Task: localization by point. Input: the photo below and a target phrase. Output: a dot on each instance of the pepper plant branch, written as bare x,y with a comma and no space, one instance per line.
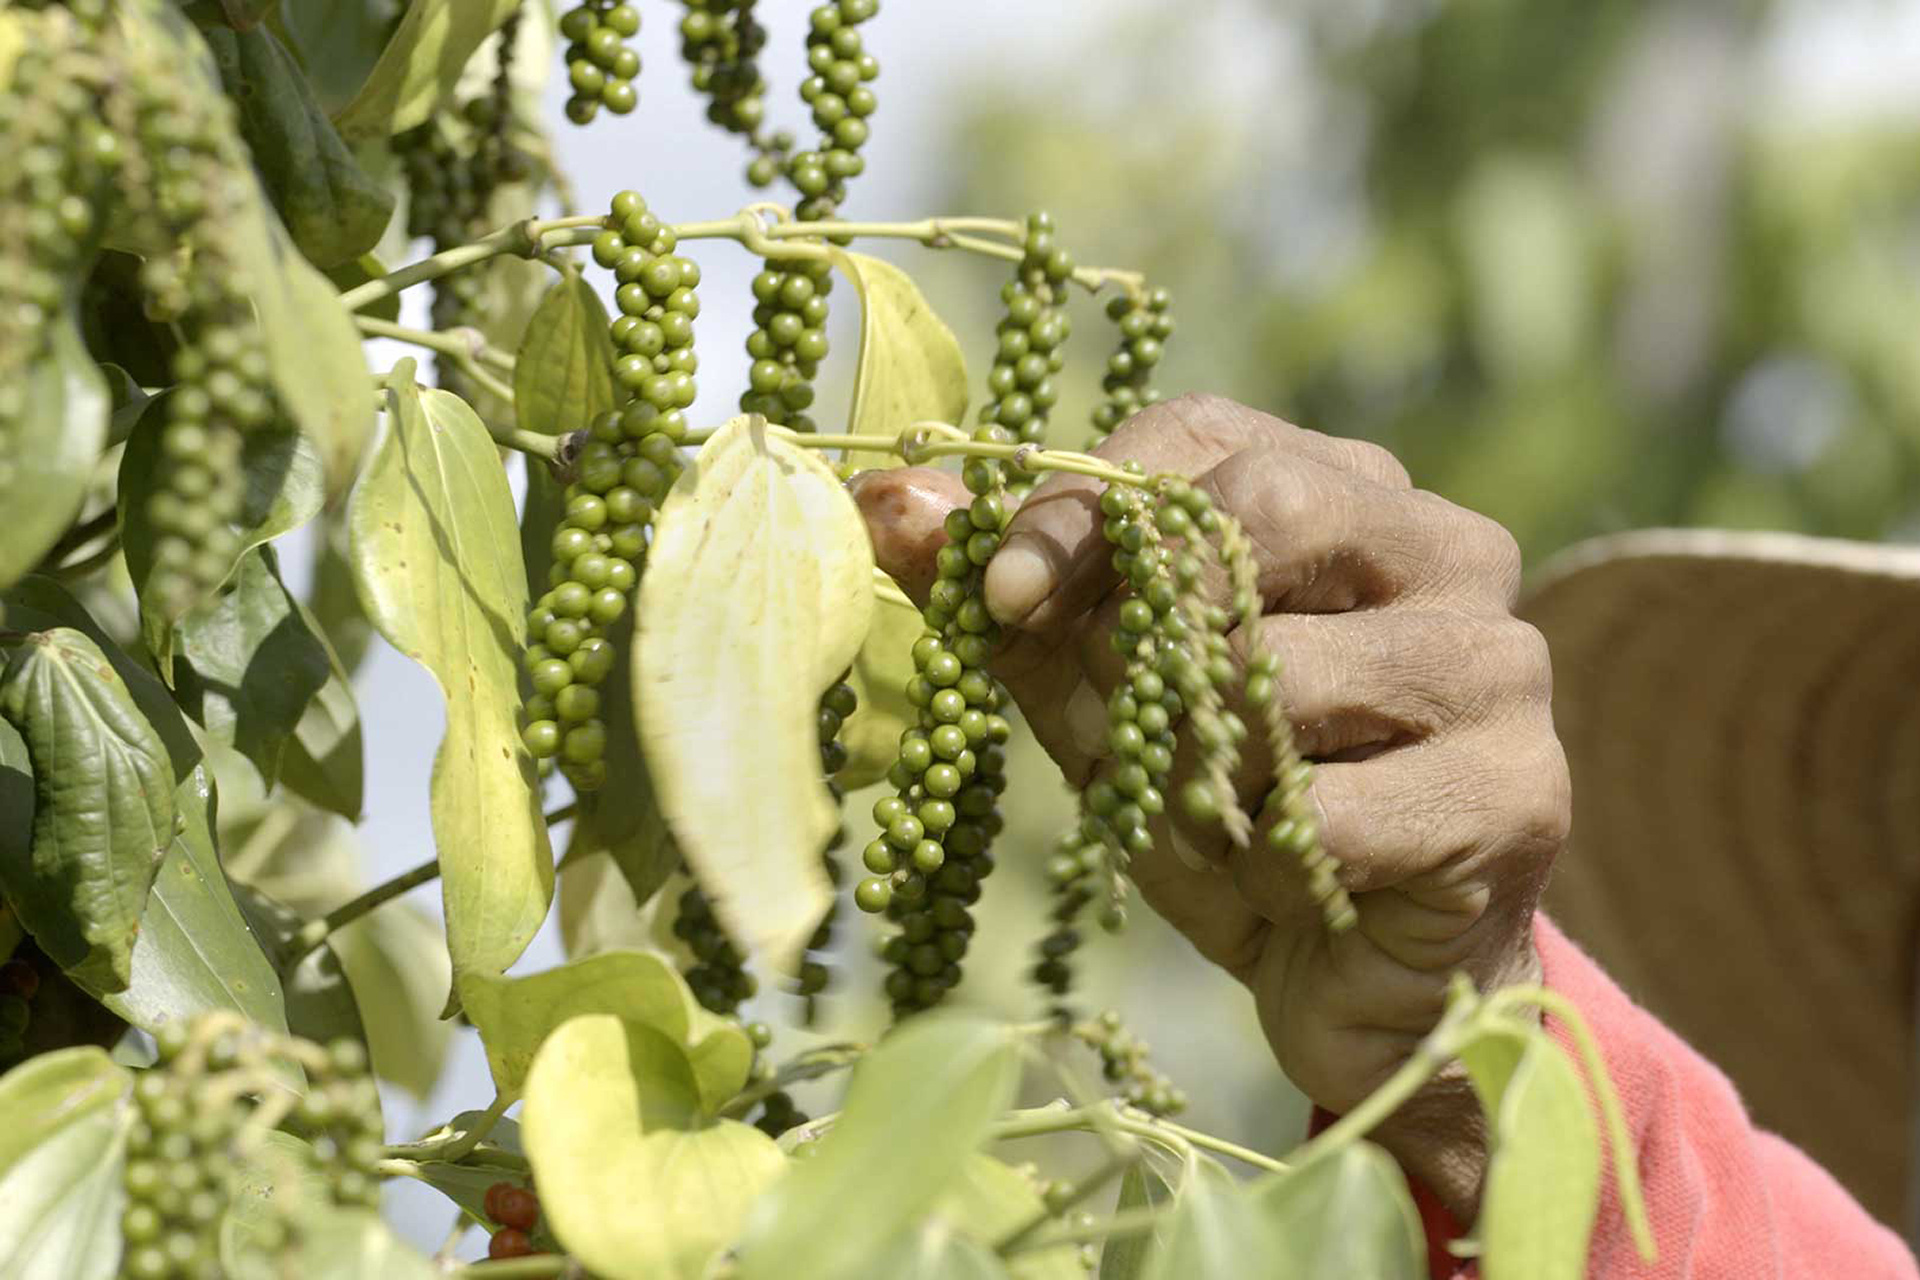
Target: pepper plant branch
1128,1222
528,238
451,1147
464,346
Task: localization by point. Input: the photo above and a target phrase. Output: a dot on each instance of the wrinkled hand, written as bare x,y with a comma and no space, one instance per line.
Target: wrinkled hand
1440,787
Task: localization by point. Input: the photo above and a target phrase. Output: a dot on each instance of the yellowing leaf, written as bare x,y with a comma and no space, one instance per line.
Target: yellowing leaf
881,670
757,594
911,369
436,555
1543,1178
631,1189
563,374
514,1015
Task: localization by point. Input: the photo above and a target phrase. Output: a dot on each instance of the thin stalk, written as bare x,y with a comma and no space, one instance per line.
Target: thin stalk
1429,1056
1128,1222
1114,1166
455,1147
315,932
1153,1127
528,238
529,1268
463,351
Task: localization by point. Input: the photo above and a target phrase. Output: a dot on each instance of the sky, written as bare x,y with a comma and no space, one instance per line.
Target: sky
1829,57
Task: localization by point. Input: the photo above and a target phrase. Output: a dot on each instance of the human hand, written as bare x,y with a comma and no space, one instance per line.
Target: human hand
1440,788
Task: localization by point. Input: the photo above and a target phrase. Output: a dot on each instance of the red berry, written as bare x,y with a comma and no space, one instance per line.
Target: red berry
510,1242
517,1207
18,978
491,1204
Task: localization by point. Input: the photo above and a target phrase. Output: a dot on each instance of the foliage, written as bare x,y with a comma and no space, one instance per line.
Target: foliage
682,622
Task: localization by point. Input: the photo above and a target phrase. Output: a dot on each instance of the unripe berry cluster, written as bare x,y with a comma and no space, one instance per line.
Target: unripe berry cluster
600,64
926,865
197,172
59,159
1144,328
718,977
721,42
202,1106
515,1212
1031,337
621,474
789,340
836,704
837,92
1078,871
1123,1060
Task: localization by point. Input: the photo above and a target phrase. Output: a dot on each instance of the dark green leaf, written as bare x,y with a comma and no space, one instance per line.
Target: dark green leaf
55,442
195,951
103,805
338,42
563,374
324,760
61,1152
114,319
1214,1230
1124,1257
625,821
420,65
331,208
435,552
889,1152
319,1002
128,401
1348,1214
336,600
248,666
285,488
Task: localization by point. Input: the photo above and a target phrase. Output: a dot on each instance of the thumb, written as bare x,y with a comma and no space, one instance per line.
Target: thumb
906,510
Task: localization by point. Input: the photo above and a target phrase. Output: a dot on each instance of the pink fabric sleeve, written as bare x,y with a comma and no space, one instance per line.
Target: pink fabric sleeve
1725,1199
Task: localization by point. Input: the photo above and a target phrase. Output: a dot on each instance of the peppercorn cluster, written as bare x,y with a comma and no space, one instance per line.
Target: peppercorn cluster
721,40
789,340
1031,336
601,65
1145,326
837,93
621,473
201,1108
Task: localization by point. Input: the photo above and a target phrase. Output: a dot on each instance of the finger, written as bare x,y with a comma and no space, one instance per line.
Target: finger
1054,562
905,509
1327,540
1443,823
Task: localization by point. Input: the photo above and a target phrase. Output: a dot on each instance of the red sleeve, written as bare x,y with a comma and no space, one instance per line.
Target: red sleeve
1725,1199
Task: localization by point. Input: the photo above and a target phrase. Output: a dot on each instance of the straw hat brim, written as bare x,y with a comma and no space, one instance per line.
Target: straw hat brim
1741,715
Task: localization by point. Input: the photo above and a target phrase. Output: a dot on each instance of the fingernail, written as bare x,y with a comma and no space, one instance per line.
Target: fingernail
1018,579
1086,715
1188,852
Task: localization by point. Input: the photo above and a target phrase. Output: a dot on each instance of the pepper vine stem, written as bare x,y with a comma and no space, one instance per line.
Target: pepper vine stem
465,347
781,237
528,1268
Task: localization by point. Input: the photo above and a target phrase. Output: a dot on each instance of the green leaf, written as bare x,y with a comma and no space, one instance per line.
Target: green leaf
1125,1257
890,1152
627,1183
881,670
624,820
394,959
500,1157
1215,1228
61,1152
103,805
597,908
563,373
435,554
1348,1214
52,447
248,665
335,599
353,1244
324,760
910,368
933,1250
988,1201
514,1015
758,592
420,64
195,952
330,207
319,1000
285,488
1542,1187
280,1180
338,42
